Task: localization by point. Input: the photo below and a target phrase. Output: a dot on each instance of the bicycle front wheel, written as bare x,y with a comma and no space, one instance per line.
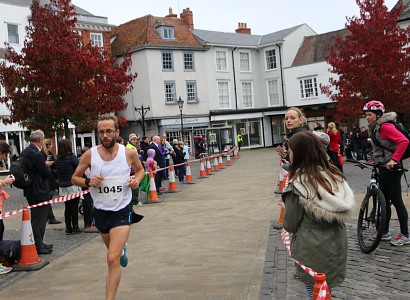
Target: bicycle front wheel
371,221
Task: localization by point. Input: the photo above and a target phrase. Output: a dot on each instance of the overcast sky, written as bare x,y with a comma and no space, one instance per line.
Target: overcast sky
262,16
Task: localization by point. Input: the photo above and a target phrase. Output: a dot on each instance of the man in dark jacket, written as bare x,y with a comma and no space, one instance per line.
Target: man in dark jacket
39,190
156,145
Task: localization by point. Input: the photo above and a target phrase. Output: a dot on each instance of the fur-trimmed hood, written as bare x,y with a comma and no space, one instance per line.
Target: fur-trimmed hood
331,208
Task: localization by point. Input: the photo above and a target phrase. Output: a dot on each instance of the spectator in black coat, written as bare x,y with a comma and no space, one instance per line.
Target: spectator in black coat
178,159
66,164
159,158
363,136
39,190
144,145
52,179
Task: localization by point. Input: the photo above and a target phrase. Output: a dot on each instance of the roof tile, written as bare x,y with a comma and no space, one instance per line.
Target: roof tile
142,32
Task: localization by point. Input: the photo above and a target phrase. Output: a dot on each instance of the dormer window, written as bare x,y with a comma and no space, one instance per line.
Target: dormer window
166,32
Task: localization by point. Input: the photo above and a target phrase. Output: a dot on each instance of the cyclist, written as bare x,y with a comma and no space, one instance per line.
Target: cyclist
390,177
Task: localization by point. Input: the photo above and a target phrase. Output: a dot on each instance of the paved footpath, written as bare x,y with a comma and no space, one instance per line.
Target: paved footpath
206,242
213,240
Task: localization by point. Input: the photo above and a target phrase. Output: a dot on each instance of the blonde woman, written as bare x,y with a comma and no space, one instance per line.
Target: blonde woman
334,146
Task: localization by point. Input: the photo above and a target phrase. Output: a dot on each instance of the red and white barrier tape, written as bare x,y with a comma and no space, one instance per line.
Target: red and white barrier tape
323,287
286,242
192,161
55,200
72,196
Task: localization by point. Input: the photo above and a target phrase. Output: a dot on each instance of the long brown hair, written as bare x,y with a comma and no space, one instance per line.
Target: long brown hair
310,160
64,148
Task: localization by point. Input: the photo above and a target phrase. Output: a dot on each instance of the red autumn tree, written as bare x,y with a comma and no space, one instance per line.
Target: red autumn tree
56,79
371,61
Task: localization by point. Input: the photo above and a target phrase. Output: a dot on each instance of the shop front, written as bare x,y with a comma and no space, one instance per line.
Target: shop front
192,126
250,126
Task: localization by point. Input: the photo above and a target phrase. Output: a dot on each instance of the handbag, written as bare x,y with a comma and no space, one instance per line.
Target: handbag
340,158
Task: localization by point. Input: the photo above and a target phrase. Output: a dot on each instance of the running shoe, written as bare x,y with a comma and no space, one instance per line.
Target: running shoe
124,257
5,270
400,240
385,236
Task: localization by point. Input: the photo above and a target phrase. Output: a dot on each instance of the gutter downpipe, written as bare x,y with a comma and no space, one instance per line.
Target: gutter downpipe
281,74
234,78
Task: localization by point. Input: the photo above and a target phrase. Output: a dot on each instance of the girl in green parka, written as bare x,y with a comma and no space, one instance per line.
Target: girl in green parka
318,200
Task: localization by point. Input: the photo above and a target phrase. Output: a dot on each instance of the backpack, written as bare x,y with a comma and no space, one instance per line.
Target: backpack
22,178
400,127
10,252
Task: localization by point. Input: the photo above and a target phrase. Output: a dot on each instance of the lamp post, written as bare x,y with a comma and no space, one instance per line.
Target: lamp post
181,106
143,111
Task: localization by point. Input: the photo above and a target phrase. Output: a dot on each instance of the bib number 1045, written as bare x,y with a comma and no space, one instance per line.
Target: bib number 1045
107,189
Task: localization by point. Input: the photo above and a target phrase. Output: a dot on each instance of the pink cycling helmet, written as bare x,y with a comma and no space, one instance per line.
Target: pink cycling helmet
374,106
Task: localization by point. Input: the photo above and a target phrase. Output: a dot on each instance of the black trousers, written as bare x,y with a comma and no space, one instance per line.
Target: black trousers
71,214
88,206
1,228
38,222
390,184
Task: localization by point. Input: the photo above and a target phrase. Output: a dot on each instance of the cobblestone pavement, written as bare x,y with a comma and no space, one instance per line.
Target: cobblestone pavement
383,274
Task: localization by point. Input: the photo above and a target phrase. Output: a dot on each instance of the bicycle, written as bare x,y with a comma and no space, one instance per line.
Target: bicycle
372,213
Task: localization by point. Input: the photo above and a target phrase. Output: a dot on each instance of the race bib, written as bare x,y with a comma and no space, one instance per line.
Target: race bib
111,190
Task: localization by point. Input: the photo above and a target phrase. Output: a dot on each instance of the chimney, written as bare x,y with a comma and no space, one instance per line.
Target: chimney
188,17
171,14
242,28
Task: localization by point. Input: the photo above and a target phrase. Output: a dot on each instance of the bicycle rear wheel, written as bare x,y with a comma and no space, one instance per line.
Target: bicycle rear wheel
371,221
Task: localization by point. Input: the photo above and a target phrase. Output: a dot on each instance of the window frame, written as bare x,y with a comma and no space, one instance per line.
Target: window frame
306,91
17,34
228,96
250,83
172,85
171,61
248,61
195,92
268,60
269,92
192,62
221,63
167,33
99,34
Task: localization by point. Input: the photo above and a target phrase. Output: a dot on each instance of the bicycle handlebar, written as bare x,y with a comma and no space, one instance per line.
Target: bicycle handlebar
365,164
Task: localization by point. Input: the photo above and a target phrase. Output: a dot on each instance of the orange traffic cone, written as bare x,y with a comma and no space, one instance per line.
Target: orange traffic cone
235,153
279,223
221,162
228,159
153,195
29,260
281,181
208,167
172,185
216,164
320,281
188,175
202,172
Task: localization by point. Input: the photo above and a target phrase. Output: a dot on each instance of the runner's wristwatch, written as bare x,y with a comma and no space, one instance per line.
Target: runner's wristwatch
87,182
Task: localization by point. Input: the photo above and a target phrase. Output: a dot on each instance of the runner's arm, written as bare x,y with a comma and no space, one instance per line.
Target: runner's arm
84,164
132,159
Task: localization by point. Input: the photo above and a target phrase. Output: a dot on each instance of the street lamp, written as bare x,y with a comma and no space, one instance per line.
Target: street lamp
143,111
181,106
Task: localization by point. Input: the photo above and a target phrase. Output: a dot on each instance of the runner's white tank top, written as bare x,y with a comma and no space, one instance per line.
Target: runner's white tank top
113,193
